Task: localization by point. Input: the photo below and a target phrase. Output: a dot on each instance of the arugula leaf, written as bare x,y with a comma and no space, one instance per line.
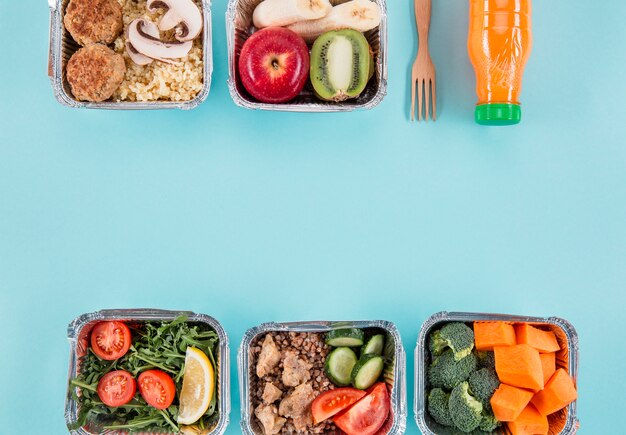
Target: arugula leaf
160,345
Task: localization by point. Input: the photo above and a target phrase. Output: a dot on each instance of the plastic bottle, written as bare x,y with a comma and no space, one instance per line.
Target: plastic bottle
499,43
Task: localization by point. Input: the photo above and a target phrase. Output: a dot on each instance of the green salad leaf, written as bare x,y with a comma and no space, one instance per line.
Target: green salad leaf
156,345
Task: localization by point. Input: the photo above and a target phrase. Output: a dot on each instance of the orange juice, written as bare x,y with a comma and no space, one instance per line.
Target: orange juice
499,43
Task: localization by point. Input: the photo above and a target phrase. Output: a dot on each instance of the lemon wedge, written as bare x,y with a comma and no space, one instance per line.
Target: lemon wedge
198,386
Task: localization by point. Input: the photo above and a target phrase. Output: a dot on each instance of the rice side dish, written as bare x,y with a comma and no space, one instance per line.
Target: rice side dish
181,81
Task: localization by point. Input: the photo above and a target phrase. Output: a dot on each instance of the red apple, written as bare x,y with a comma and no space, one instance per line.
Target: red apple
274,64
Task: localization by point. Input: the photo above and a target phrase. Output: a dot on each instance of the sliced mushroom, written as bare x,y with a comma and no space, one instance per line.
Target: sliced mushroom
140,59
184,15
153,47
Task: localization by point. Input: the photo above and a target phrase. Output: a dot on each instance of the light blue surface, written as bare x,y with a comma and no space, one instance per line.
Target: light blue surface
252,216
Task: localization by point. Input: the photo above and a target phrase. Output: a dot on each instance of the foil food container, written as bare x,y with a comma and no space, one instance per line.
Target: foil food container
564,422
78,336
395,378
62,47
239,27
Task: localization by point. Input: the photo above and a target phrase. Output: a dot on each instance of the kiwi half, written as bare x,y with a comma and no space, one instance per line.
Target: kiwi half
341,61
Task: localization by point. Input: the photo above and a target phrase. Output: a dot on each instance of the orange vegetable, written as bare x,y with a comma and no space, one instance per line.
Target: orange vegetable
559,392
519,366
548,365
508,402
529,422
543,341
490,334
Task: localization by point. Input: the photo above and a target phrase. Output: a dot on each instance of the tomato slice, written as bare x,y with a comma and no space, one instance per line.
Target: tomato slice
368,415
110,340
157,388
117,388
334,401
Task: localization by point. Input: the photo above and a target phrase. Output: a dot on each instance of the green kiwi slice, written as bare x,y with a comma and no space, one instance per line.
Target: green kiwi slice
341,61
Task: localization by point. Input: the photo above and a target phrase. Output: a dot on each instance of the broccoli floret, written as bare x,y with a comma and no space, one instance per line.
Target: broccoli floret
483,383
438,407
488,423
486,360
465,410
457,336
445,372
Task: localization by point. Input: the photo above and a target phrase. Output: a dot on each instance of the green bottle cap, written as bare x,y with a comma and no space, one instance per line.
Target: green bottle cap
498,114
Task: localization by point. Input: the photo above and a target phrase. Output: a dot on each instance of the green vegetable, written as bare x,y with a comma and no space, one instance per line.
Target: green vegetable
339,365
456,335
349,337
438,407
483,383
367,371
488,423
374,345
486,360
155,345
445,372
466,412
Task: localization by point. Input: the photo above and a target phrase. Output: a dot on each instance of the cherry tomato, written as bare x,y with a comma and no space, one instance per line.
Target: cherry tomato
110,340
157,388
334,401
117,388
368,415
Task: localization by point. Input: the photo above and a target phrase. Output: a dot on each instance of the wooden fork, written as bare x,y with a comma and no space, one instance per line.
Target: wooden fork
423,73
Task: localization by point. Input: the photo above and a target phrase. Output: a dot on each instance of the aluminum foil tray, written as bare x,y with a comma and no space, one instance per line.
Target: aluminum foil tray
78,336
396,379
564,422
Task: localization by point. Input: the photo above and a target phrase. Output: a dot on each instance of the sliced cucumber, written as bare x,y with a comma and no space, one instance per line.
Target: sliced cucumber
350,337
367,371
374,345
339,365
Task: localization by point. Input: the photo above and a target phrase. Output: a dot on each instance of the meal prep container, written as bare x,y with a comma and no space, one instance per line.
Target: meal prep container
564,422
78,335
238,29
397,384
62,47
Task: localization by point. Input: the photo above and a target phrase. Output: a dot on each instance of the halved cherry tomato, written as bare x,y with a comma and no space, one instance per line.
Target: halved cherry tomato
334,401
117,388
110,340
157,388
368,415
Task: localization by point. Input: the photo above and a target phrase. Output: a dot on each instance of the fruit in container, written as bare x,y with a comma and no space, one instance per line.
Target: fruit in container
519,366
508,402
491,334
559,392
270,13
529,422
360,15
341,62
274,65
543,341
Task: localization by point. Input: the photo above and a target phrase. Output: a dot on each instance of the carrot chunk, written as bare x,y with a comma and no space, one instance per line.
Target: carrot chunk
519,366
508,402
559,392
529,422
543,341
487,335
548,365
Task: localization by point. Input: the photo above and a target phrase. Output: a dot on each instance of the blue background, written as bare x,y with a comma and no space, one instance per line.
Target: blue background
257,216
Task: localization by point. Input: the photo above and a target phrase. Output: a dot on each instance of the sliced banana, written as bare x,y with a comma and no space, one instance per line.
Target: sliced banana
361,15
285,12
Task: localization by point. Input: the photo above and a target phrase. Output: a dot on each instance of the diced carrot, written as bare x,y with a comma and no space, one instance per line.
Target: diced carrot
548,365
519,366
559,392
543,341
508,402
529,422
490,334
